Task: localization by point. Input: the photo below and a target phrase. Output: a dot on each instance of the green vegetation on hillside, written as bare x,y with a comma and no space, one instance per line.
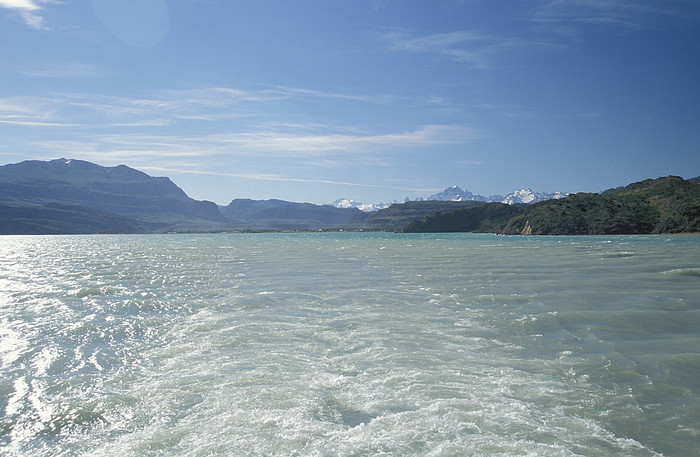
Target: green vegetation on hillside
663,205
399,215
283,215
60,219
583,214
74,196
481,218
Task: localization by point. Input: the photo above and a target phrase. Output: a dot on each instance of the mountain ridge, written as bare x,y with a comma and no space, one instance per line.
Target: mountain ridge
152,203
663,205
520,196
523,196
74,196
274,214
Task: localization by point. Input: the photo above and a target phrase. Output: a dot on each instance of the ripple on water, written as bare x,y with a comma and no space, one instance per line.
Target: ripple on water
348,344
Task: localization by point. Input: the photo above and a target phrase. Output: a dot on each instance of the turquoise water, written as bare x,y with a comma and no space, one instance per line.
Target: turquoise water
349,344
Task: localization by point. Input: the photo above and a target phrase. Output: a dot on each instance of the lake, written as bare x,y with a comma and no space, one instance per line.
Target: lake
352,344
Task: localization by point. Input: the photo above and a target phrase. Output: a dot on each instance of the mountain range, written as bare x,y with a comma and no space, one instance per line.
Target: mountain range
246,214
66,196
74,196
522,196
457,194
663,205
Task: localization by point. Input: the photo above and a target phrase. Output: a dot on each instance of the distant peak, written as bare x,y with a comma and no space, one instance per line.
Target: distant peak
347,203
71,162
525,195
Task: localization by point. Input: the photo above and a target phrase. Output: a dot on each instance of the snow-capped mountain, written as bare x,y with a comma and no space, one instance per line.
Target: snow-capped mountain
345,203
522,196
527,196
457,194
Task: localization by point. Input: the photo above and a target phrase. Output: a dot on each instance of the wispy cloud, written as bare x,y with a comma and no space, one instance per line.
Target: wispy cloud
213,123
27,110
471,162
220,107
628,14
294,144
280,178
28,10
550,19
36,123
204,104
224,96
57,70
358,149
586,12
464,46
103,111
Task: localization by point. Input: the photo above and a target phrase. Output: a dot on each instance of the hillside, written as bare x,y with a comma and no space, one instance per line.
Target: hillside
482,218
141,202
246,214
663,205
61,219
282,215
74,196
399,215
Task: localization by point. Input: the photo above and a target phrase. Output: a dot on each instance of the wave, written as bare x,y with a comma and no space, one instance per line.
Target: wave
693,272
617,254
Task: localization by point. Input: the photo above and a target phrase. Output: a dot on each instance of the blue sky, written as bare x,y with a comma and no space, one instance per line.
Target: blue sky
369,100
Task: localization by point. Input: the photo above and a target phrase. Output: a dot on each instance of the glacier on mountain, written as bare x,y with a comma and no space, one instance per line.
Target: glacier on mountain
522,196
527,196
346,203
457,194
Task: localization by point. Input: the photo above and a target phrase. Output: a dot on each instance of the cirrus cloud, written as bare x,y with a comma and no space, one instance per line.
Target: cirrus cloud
27,10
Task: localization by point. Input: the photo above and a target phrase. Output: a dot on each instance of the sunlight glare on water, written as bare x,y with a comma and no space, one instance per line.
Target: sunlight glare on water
349,344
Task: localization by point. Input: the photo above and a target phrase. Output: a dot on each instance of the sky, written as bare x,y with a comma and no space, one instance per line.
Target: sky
370,100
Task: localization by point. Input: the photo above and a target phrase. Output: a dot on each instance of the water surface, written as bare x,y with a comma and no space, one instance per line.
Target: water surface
349,344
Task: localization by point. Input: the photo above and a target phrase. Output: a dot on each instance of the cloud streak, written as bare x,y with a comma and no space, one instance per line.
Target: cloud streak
278,178
462,46
27,10
277,143
65,70
362,149
236,121
628,14
552,19
201,129
203,104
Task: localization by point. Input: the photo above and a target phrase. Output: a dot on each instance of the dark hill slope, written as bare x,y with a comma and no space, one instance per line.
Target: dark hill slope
583,214
61,219
663,205
284,215
480,218
399,215
156,203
